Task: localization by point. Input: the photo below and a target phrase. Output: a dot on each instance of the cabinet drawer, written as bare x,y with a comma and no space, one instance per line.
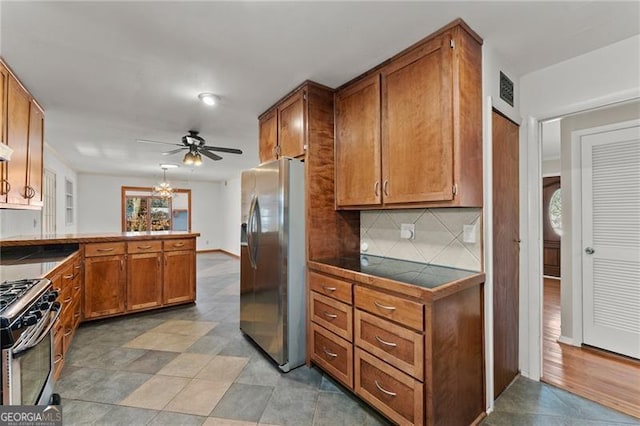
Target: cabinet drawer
394,308
333,354
332,287
398,396
183,244
400,347
332,315
103,249
144,246
68,277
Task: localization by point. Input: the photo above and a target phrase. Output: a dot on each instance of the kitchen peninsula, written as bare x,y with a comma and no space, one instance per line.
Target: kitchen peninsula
104,275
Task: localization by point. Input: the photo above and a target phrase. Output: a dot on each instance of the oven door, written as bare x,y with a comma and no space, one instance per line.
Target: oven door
27,376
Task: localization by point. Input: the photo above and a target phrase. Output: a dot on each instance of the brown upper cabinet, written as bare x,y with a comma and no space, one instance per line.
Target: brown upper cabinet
23,130
282,128
409,132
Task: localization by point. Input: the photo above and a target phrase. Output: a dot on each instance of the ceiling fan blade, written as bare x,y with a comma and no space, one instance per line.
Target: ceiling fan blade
210,155
174,151
220,149
157,142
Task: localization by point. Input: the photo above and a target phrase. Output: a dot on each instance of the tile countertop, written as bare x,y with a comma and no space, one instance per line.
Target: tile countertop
29,240
415,279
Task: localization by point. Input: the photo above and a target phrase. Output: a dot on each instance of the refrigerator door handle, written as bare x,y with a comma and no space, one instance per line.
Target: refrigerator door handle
250,231
257,229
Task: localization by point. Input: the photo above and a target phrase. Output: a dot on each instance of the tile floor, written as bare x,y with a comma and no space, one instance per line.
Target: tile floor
192,366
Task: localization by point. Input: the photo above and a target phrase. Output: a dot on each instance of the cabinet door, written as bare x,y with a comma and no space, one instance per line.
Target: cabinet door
36,141
144,281
268,139
104,285
417,132
291,126
4,79
179,277
358,144
18,106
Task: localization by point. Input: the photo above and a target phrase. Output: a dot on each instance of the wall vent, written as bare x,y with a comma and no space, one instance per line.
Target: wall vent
506,89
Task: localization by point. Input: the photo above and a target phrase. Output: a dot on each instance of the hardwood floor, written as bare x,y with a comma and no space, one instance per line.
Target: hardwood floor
600,376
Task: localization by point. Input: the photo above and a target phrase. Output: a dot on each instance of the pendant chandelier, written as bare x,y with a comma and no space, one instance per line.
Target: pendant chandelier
163,189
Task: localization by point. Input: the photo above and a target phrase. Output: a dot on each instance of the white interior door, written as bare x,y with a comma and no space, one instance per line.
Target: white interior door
611,240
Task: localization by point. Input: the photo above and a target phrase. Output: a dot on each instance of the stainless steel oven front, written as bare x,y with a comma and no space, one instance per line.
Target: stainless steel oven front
26,329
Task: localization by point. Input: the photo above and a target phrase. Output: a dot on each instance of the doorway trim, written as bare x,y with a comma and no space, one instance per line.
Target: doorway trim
531,282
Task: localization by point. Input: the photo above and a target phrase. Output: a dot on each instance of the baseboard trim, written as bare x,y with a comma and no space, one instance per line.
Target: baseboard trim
567,341
228,253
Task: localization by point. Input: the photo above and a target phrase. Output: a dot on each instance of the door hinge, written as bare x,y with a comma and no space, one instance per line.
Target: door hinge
455,189
452,43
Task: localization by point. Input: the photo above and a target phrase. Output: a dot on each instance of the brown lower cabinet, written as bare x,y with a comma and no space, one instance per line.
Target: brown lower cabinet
104,286
144,281
414,354
179,277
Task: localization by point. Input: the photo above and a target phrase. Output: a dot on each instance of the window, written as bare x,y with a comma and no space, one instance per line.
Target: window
49,207
555,211
68,201
142,211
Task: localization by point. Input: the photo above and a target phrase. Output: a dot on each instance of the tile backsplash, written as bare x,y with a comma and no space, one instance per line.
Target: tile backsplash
438,236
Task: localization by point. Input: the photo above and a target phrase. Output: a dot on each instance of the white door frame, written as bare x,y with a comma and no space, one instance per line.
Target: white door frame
531,208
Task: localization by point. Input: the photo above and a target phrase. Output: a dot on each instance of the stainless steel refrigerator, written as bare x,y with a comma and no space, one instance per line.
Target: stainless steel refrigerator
272,259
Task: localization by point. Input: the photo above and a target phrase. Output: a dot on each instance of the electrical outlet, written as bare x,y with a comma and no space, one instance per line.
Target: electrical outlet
408,231
470,232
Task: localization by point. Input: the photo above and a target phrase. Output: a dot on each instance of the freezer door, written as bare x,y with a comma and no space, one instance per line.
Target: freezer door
270,281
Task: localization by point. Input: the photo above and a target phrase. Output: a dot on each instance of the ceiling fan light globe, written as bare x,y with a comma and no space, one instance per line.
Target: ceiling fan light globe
197,161
189,158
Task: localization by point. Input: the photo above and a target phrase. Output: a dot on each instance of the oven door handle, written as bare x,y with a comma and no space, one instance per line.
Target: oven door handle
34,341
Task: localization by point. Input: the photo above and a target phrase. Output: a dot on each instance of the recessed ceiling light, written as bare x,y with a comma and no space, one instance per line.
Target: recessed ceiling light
208,98
168,166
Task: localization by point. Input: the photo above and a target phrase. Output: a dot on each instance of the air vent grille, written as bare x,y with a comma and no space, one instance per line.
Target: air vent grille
506,89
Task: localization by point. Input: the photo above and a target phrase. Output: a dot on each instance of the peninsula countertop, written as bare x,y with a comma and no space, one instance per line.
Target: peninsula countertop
38,240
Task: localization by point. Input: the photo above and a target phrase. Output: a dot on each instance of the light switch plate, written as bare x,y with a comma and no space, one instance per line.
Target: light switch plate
408,231
469,234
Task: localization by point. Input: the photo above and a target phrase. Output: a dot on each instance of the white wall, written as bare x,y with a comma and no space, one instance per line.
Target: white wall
99,205
551,167
230,192
570,292
600,77
29,222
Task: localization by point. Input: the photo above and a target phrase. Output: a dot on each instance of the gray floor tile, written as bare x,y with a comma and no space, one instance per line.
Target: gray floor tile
81,412
528,396
167,418
243,402
119,416
329,385
151,362
82,354
527,419
114,359
117,386
260,371
76,384
226,329
302,378
290,406
240,346
343,409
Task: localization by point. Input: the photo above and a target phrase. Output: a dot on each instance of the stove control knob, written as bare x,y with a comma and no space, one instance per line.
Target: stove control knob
52,296
43,306
29,319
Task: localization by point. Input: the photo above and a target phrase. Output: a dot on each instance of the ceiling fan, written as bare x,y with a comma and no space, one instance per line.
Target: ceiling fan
196,147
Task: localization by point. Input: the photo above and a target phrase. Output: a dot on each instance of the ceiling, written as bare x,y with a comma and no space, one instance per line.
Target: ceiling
108,73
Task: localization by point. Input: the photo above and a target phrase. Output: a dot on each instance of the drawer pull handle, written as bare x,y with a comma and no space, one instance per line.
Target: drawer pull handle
381,389
178,244
58,359
331,354
67,332
67,300
78,266
68,277
331,289
380,305
328,315
144,247
106,249
384,342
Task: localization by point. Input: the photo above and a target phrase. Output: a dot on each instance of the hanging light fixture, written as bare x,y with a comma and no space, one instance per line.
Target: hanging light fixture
192,157
164,189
